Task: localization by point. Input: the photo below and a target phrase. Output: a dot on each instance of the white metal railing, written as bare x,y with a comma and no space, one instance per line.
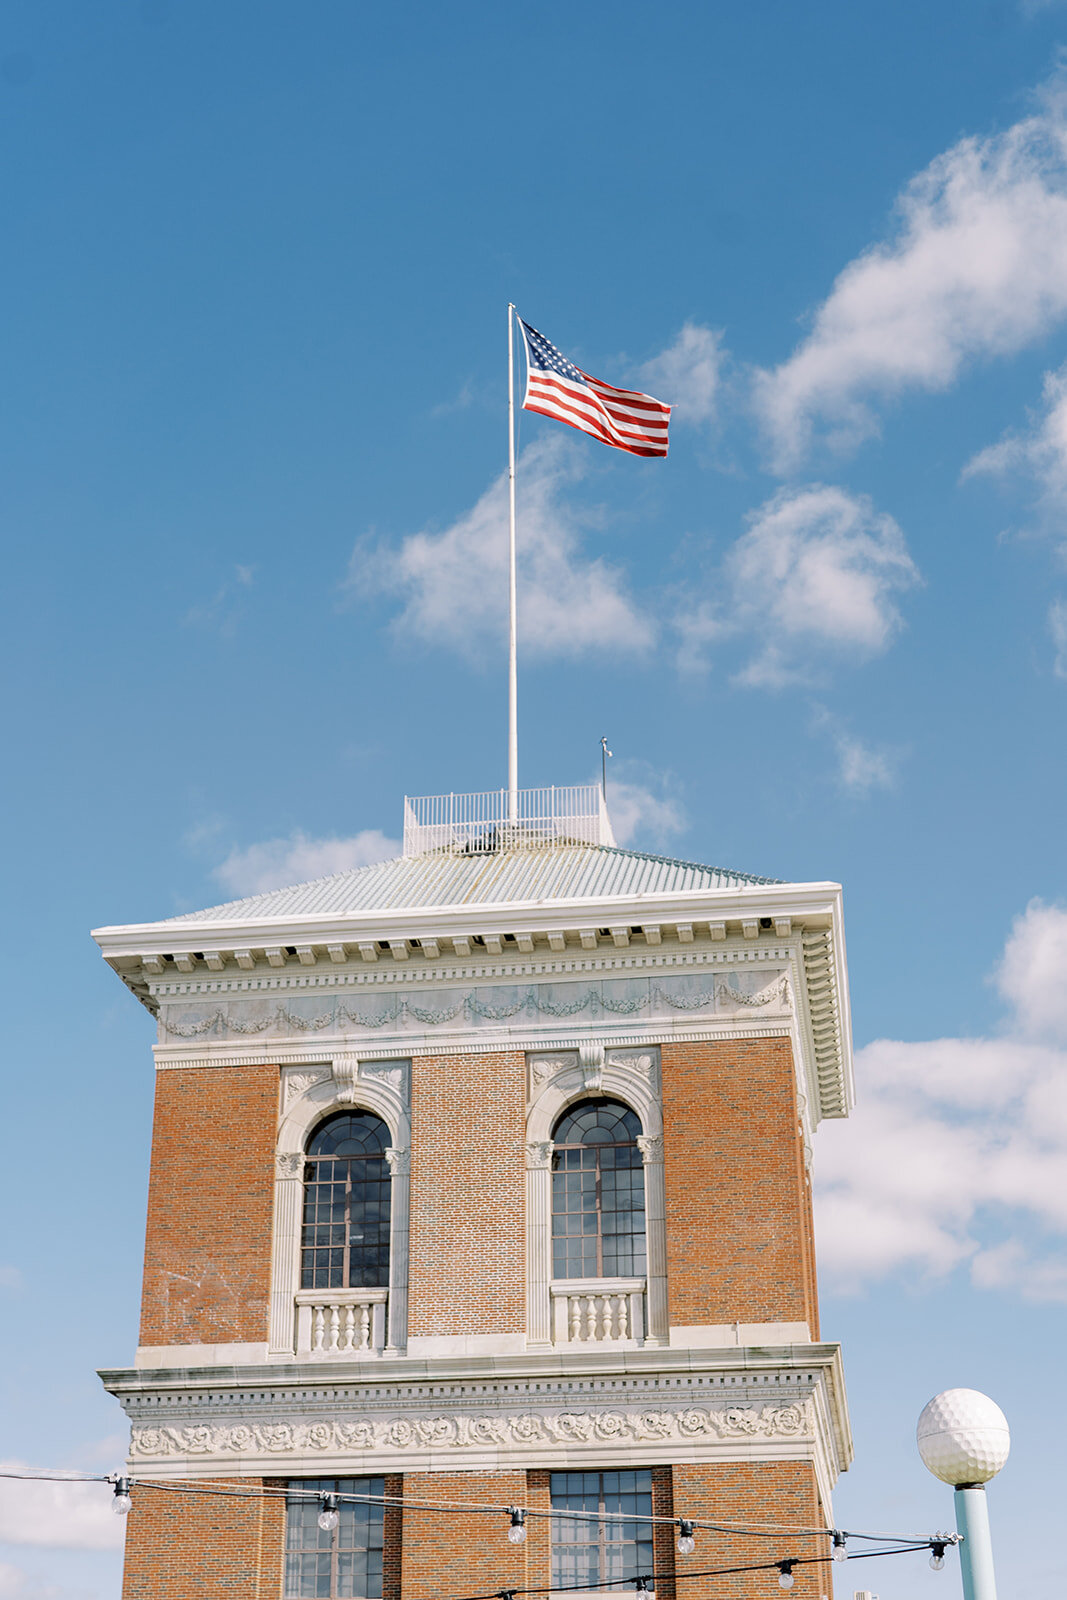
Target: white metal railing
594,1310
340,1322
481,824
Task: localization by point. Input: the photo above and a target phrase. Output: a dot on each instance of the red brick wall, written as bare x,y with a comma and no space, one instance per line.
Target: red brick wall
757,1493
211,1190
468,1177
739,1231
392,1539
448,1553
204,1546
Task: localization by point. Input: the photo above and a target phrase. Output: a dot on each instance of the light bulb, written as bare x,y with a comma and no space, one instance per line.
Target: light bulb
686,1543
785,1575
646,1588
840,1551
937,1560
121,1503
517,1530
328,1516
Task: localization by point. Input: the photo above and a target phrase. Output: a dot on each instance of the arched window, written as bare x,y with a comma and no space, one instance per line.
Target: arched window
598,1193
345,1240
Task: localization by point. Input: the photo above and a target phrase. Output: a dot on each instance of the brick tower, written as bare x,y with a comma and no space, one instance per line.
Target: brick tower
480,1178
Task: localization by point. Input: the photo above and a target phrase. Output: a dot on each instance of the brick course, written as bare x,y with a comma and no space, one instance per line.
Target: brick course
468,1177
756,1493
204,1546
739,1229
448,1553
210,1199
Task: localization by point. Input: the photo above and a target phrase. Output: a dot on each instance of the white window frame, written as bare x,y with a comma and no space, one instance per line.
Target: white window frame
558,1080
346,1083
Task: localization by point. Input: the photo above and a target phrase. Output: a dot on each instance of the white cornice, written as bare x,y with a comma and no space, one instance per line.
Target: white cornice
802,902
422,946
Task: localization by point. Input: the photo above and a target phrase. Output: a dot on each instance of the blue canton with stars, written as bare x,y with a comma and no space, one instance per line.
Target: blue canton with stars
547,358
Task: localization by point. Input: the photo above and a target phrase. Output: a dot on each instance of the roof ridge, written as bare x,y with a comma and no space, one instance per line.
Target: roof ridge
676,861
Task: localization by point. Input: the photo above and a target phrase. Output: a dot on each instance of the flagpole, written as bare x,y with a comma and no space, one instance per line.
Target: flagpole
513,664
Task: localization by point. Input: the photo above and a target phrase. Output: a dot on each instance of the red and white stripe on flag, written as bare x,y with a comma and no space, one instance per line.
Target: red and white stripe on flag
623,418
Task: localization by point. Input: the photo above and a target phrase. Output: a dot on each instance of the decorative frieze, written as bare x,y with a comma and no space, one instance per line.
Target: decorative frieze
459,1432
638,996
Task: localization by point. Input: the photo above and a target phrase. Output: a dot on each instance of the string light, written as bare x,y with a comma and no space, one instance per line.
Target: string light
328,1519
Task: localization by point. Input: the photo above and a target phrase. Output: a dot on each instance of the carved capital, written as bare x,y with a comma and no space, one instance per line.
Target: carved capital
651,1148
591,1062
290,1163
539,1155
399,1162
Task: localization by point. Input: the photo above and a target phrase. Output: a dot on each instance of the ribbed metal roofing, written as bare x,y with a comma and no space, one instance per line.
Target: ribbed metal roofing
444,878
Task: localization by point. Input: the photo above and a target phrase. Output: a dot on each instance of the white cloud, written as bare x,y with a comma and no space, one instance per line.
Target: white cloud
277,863
1039,453
687,375
65,1515
1057,622
18,1585
814,577
641,806
454,584
222,610
977,267
956,1152
1032,974
861,767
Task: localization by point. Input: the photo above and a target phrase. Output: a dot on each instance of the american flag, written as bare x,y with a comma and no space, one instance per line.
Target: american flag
557,388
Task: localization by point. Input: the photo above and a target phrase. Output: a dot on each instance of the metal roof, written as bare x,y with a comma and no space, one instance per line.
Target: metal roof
444,878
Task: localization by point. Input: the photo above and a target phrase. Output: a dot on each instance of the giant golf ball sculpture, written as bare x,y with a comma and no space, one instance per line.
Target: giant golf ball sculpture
963,1437
964,1440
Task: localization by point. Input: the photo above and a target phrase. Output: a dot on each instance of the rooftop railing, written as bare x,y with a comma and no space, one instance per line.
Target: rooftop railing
482,824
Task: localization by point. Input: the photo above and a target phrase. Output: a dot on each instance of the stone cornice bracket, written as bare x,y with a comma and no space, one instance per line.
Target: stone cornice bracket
399,1161
591,1064
651,1148
539,1155
345,1070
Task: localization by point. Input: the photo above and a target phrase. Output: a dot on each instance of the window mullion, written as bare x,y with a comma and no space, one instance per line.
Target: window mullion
348,1224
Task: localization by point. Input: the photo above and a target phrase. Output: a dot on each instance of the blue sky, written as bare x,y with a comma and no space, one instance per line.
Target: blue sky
252,409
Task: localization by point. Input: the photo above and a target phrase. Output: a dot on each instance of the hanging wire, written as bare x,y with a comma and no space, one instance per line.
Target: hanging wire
649,1579
209,1486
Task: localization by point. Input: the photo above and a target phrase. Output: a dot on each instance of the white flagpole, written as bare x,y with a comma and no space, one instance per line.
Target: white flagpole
513,665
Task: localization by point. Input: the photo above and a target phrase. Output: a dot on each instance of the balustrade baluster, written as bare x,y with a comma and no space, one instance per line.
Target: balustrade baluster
318,1327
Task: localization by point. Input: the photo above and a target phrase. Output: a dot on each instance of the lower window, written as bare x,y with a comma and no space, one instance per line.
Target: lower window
345,1563
607,1543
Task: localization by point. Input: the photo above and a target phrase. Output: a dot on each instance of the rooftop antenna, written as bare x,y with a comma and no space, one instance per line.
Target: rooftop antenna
604,755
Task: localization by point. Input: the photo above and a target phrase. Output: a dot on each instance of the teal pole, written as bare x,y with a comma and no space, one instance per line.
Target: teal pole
976,1550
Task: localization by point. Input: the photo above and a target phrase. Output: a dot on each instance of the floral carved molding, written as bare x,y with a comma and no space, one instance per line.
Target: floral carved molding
527,1430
